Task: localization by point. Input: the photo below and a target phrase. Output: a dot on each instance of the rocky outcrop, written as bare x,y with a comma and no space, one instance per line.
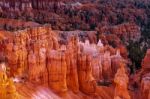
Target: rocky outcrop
57,71
37,55
86,80
121,80
115,61
104,60
69,59
72,70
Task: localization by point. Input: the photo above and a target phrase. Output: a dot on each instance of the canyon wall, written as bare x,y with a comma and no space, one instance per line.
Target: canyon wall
84,50
38,56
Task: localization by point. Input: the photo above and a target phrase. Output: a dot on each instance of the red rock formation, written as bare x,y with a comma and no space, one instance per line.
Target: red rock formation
86,80
145,82
115,61
72,72
146,62
97,68
121,80
106,64
32,64
8,89
37,55
57,70
145,86
59,61
115,42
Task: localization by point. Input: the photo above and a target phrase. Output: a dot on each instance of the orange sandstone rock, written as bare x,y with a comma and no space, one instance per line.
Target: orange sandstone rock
57,70
146,62
72,73
145,86
106,66
87,83
121,80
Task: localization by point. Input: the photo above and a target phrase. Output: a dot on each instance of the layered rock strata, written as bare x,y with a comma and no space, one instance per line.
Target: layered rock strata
37,55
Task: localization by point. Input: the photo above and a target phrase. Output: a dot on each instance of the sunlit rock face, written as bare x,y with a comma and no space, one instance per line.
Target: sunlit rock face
82,55
27,45
8,89
104,64
57,70
37,55
121,80
72,70
86,80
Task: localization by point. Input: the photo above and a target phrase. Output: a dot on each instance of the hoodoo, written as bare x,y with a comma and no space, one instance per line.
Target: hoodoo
74,49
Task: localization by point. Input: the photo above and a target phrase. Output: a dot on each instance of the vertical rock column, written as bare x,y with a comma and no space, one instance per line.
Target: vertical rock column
97,68
106,67
121,80
57,70
87,83
72,75
32,67
115,61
